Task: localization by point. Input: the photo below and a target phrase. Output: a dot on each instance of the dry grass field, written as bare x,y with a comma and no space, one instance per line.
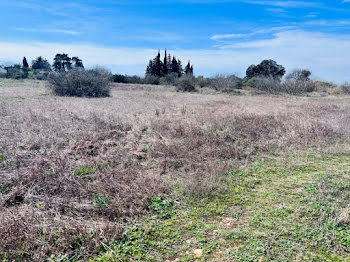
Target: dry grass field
154,175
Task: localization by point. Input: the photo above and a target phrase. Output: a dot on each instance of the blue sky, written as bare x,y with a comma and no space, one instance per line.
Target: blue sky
224,36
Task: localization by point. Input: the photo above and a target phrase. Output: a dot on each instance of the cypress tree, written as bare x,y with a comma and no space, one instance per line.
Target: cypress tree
25,63
157,66
179,65
149,69
169,63
165,64
188,68
174,66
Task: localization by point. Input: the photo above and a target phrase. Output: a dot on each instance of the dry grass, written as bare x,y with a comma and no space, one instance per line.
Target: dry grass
74,169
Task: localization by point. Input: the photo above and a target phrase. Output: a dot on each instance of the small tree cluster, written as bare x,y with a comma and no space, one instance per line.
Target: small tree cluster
168,65
63,63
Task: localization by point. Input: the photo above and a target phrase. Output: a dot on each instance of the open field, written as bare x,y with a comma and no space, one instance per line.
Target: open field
151,174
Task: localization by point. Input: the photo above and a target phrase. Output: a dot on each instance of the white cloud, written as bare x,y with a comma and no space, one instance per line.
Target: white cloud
257,32
326,55
284,3
228,36
48,30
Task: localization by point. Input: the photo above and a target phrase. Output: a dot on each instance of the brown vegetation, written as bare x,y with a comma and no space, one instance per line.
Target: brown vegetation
73,170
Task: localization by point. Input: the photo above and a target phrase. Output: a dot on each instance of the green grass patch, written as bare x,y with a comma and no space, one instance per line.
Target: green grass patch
277,210
84,170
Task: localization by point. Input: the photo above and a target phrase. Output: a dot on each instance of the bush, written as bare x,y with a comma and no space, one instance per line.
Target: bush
38,74
345,88
298,74
16,72
265,84
119,78
323,85
81,83
169,79
152,80
226,83
186,83
202,81
275,86
297,87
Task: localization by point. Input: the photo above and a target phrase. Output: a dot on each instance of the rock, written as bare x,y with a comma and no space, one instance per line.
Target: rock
198,252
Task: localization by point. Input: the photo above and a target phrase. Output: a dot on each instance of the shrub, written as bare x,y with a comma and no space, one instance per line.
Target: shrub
152,80
134,79
186,83
297,87
126,79
345,88
226,83
16,72
169,79
274,86
38,74
202,81
81,83
300,75
266,84
119,78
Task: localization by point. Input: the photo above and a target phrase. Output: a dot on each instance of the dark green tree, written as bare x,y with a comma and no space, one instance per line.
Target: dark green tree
62,63
67,62
78,63
165,64
162,67
41,63
149,69
25,63
189,69
174,66
58,63
157,66
180,70
267,68
169,63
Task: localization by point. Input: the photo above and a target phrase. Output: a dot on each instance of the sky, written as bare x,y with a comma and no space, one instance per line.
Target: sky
218,37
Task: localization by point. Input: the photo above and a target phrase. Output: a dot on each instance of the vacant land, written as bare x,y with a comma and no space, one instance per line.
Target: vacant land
151,174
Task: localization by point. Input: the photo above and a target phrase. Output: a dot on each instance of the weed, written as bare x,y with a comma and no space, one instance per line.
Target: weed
100,201
85,170
5,188
164,208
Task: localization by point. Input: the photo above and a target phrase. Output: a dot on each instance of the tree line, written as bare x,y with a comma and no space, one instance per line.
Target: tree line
40,67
